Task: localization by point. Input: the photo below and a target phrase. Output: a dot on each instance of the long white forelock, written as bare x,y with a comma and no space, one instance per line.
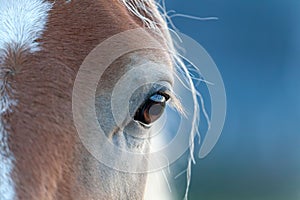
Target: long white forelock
22,22
145,10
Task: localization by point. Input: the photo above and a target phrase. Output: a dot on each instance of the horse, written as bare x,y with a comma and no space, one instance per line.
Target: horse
42,46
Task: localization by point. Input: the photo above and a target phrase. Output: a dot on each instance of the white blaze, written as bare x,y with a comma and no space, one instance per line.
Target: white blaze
157,187
21,23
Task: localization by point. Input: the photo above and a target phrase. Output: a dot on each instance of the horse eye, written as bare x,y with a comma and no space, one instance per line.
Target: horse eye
151,109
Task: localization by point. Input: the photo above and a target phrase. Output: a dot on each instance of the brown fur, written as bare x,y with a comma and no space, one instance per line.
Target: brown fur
42,136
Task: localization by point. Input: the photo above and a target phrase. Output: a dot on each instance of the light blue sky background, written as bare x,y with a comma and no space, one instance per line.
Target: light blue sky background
256,45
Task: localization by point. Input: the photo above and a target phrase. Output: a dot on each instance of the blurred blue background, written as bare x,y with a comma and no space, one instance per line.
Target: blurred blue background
256,46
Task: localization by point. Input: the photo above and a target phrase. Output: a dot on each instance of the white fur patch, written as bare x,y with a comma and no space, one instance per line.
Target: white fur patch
7,190
21,23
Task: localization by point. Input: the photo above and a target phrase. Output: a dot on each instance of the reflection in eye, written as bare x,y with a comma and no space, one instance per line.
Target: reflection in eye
151,109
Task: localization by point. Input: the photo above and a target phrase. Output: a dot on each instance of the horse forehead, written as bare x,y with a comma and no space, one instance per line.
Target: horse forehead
24,21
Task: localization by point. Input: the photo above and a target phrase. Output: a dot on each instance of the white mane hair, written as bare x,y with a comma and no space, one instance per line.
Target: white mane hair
155,17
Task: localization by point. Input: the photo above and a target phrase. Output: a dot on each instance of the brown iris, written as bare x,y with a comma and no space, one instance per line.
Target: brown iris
152,109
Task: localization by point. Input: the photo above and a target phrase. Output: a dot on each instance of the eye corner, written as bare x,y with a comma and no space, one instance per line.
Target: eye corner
165,93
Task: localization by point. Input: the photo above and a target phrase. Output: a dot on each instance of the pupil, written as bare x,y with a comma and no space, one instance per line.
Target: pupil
152,109
155,110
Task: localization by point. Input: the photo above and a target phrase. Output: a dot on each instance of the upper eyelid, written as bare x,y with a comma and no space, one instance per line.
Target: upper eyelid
164,91
162,87
174,100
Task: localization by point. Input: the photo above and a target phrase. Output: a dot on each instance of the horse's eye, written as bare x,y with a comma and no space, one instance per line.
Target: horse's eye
151,109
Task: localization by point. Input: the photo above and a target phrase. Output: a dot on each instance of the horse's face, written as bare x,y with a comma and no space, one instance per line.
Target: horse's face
42,156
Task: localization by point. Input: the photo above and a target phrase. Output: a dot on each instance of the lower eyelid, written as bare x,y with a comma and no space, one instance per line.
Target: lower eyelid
141,125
